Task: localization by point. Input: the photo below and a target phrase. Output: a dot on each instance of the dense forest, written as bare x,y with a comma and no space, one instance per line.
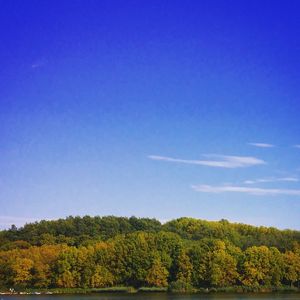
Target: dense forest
184,254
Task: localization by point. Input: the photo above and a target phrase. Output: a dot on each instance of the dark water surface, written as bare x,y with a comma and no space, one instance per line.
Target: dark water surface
156,296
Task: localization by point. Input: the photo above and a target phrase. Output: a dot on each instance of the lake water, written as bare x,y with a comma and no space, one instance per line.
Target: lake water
156,296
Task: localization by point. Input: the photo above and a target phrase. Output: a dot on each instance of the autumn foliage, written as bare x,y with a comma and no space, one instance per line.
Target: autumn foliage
104,252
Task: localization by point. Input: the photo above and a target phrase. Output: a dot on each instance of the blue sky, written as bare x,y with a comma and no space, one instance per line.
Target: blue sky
150,108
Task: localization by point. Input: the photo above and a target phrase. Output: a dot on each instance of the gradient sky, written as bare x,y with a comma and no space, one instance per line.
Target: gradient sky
150,108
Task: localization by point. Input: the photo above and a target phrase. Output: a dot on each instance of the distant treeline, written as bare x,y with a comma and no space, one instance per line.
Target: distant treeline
76,231
183,254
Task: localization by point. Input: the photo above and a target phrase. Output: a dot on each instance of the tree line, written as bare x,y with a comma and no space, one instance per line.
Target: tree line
76,231
182,254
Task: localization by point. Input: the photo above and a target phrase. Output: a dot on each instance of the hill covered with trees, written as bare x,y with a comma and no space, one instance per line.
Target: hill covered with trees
183,254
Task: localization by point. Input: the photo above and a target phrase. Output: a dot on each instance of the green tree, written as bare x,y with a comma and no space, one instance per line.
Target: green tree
276,266
157,275
22,268
223,267
101,277
200,259
256,267
68,275
292,267
185,268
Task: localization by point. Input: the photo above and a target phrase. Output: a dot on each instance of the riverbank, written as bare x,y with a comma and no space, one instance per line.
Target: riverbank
131,290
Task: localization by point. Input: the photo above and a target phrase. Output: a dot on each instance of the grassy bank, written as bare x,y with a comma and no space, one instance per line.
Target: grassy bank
129,289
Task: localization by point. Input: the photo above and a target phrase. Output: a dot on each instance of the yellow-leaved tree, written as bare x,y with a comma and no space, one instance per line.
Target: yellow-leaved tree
157,275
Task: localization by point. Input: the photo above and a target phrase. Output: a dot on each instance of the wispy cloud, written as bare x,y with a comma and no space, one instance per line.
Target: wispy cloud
297,146
38,64
246,190
217,161
272,179
262,145
34,66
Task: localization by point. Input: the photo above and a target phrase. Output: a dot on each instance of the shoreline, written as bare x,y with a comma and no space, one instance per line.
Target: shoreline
147,290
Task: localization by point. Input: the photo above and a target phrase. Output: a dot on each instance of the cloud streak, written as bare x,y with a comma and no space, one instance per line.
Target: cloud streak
262,145
297,146
38,63
216,161
264,180
246,190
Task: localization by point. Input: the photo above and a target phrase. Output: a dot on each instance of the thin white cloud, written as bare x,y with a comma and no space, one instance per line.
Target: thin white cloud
272,179
262,145
246,190
38,64
297,146
217,161
249,181
33,66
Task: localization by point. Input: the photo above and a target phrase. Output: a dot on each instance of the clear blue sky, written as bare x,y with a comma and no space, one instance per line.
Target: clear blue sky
150,108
